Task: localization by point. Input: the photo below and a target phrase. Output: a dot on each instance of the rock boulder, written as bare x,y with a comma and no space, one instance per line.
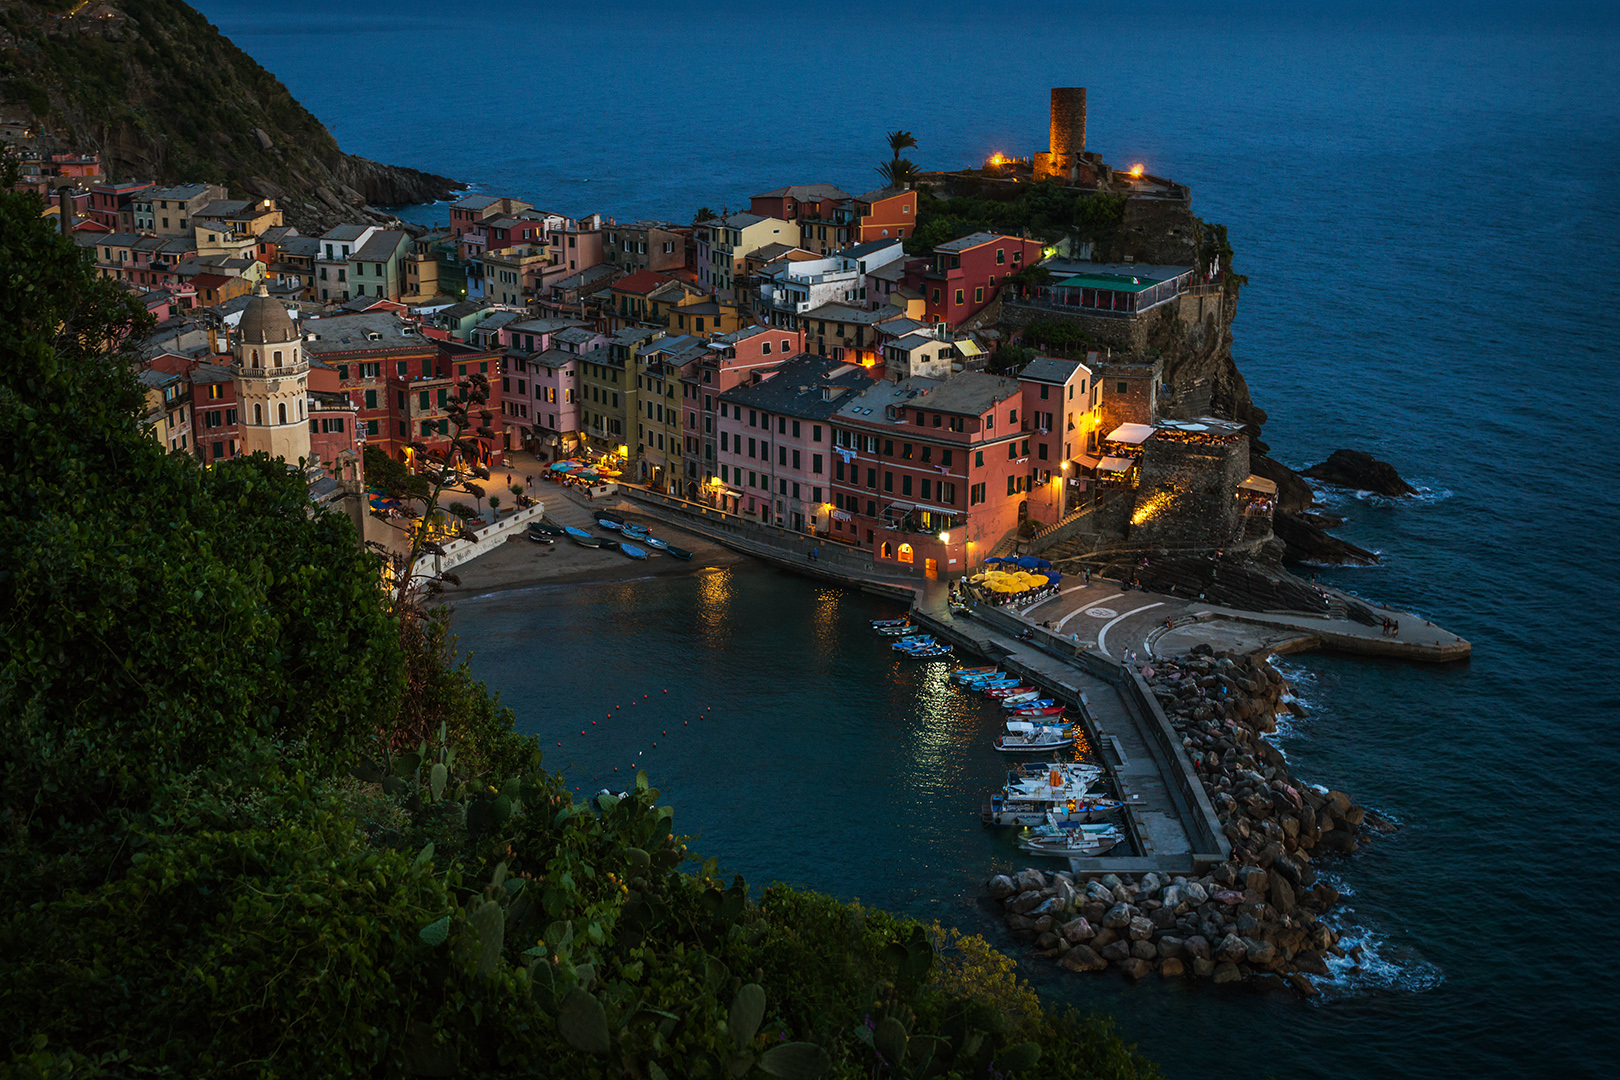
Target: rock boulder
1360,471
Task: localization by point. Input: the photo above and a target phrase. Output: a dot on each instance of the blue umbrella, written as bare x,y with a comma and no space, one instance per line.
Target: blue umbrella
1028,562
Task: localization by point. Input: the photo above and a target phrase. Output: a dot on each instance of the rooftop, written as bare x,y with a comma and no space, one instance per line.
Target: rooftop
879,194
808,387
1144,274
641,282
969,394
972,240
476,202
1048,369
381,247
804,192
353,333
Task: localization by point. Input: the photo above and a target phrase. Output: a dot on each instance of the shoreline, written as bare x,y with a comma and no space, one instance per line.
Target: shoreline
520,563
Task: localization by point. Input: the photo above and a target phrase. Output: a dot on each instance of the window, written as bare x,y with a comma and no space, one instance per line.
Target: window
752,446
947,493
905,552
978,459
1044,389
371,370
905,450
927,488
371,427
888,481
765,349
957,424
905,485
815,466
975,494
371,399
958,293
871,479
281,412
1012,450
1041,451
978,295
815,432
343,372
888,448
400,368
1122,388
781,454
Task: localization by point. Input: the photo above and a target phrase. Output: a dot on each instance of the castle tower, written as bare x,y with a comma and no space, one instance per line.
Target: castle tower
1068,138
272,381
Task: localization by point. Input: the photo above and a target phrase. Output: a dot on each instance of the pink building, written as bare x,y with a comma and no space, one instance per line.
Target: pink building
732,360
775,441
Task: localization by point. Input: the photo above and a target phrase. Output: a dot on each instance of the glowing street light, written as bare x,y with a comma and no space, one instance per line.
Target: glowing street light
1137,170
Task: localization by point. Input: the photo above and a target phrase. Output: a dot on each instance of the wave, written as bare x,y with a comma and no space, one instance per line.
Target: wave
1373,962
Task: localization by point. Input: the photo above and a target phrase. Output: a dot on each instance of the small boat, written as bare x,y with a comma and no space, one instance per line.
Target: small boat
611,543
661,545
586,541
979,682
895,631
1082,840
1021,698
963,672
609,523
1032,703
679,553
878,624
546,528
1023,738
913,638
633,531
1037,714
1005,810
1005,692
915,646
633,551
935,652
541,538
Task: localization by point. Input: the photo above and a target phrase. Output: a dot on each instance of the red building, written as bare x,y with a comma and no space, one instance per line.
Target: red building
965,274
469,210
113,205
885,214
933,474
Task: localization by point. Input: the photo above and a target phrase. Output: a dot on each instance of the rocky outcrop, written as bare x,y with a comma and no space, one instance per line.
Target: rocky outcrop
1293,493
1257,918
169,98
1307,542
1360,471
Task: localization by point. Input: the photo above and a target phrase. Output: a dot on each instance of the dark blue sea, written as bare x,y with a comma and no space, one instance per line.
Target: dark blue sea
1423,198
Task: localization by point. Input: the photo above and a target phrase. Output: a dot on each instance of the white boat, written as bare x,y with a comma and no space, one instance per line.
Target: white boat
1028,703
653,541
963,673
1002,810
1023,737
876,623
896,631
933,652
1081,840
1019,699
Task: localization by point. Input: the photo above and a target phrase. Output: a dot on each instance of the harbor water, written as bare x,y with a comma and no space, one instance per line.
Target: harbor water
1422,200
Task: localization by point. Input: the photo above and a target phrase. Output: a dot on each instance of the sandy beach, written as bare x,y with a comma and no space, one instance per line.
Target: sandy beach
521,562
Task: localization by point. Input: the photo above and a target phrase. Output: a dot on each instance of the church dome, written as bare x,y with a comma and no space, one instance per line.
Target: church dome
265,321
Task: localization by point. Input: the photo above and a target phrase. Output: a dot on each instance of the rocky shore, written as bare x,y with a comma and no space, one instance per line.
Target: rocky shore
1257,917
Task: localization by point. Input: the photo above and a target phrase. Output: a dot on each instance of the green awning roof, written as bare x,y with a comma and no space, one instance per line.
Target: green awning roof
1111,282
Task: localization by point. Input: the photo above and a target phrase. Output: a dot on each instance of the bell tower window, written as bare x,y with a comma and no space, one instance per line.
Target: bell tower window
258,414
282,411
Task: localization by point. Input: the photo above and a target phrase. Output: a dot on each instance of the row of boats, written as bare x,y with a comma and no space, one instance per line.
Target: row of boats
1056,804
628,541
908,643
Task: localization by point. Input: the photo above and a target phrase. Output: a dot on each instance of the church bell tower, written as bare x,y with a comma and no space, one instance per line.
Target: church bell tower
272,381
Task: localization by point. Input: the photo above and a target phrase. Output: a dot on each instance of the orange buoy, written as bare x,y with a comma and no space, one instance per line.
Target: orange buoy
593,723
582,733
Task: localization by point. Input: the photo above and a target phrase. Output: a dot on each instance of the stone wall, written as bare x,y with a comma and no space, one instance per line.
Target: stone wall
1126,334
1186,494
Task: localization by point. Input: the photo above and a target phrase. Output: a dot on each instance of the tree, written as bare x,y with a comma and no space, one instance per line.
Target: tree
495,506
899,141
704,213
899,173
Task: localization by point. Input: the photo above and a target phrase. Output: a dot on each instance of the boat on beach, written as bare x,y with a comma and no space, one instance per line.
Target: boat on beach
633,531
608,542
653,541
546,528
678,553
633,551
606,522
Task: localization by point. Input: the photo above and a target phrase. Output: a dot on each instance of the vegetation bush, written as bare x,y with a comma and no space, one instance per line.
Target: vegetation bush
1047,210
221,853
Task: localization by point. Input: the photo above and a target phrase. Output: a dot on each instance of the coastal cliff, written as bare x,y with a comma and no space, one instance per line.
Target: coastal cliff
162,95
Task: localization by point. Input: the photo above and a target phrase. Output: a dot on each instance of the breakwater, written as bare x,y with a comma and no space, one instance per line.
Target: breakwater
1257,916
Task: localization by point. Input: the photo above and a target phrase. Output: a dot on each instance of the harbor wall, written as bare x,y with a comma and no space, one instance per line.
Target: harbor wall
457,552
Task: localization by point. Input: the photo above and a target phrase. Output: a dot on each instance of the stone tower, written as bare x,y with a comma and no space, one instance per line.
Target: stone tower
272,381
1064,158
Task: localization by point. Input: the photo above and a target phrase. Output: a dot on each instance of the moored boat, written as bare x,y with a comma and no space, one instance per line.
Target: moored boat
963,672
879,623
1023,738
1011,811
1082,840
1029,714
1028,704
934,652
1004,692
896,631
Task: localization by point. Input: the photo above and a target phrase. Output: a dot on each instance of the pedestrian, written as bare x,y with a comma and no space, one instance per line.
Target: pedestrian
528,481
1395,628
1085,575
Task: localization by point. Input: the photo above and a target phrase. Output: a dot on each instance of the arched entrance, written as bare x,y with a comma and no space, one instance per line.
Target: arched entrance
905,553
1023,511
887,550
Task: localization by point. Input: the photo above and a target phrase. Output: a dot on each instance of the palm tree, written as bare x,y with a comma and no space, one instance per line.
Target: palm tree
900,140
898,173
704,214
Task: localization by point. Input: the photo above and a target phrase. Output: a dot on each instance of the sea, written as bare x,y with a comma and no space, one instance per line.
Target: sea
1423,197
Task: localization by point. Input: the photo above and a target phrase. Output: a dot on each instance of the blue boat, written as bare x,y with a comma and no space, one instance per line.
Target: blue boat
633,531
633,551
679,553
1038,703
609,523
661,545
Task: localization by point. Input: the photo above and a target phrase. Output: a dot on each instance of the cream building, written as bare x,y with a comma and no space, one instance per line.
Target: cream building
272,381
